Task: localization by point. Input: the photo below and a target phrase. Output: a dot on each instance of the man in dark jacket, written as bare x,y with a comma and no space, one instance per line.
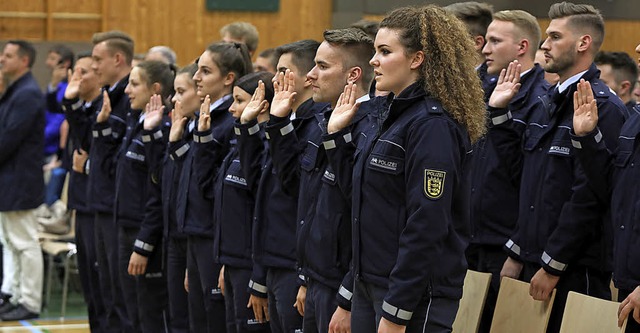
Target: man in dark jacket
21,145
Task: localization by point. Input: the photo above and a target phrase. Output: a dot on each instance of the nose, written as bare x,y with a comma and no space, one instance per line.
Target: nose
312,73
545,45
486,50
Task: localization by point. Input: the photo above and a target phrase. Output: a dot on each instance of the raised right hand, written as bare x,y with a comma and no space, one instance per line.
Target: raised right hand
105,111
73,87
507,87
256,105
345,109
585,109
178,123
154,111
204,121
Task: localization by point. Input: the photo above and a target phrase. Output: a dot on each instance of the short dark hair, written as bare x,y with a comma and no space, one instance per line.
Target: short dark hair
475,15
272,55
369,27
249,83
116,41
623,66
303,51
359,49
157,71
586,18
65,53
83,54
25,49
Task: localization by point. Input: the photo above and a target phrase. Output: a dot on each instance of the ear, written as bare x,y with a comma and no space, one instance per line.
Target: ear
156,88
523,47
584,43
479,42
229,79
625,88
354,74
417,60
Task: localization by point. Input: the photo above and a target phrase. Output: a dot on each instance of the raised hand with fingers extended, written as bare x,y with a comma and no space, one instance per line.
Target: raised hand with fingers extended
507,86
256,106
154,111
345,109
585,109
105,111
178,122
73,87
284,94
204,122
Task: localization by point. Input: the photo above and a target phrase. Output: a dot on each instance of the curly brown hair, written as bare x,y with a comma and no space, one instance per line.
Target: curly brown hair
448,70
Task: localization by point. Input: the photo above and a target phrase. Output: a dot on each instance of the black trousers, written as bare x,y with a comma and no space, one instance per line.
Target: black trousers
206,303
487,259
433,315
106,242
283,286
319,306
145,295
580,279
88,271
240,319
178,297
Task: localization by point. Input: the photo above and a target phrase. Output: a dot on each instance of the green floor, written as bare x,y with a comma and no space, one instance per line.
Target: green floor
76,307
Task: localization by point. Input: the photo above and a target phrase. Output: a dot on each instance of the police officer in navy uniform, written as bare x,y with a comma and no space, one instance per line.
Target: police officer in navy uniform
112,55
219,67
82,98
324,231
513,35
561,240
234,200
613,175
410,178
274,279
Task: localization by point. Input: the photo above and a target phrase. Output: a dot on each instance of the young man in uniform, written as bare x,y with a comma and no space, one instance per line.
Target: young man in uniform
620,73
561,240
513,35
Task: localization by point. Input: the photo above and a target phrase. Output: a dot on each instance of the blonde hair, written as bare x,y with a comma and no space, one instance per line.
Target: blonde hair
448,70
526,26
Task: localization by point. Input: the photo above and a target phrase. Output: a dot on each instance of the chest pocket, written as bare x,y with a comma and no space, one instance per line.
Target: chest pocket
310,157
561,143
533,134
234,176
136,154
625,150
387,156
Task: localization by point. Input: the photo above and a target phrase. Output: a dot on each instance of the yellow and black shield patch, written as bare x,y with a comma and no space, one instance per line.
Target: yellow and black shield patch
434,183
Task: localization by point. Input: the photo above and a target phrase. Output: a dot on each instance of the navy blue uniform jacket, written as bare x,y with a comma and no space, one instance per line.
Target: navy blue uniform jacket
21,145
615,177
495,187
101,192
560,219
204,155
410,212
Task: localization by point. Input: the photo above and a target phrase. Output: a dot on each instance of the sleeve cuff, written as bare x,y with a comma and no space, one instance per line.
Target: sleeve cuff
142,248
344,298
102,130
248,129
203,137
513,250
552,266
278,126
257,289
178,149
594,137
152,135
333,140
499,116
395,314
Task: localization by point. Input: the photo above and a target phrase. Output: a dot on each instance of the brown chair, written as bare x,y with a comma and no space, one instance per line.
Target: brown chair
66,251
517,311
474,294
586,314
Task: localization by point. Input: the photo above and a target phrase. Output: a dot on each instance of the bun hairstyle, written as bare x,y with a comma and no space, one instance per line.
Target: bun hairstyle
249,83
231,57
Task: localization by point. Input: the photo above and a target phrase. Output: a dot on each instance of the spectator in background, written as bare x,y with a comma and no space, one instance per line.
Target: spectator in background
369,27
620,72
21,142
267,61
161,53
137,58
241,32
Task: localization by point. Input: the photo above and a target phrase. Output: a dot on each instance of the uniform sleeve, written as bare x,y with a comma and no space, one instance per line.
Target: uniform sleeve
150,233
596,160
107,137
340,149
79,121
427,242
507,133
251,152
584,214
210,148
27,106
345,292
258,281
284,147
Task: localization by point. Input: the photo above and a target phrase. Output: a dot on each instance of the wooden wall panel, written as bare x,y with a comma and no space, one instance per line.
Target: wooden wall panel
186,26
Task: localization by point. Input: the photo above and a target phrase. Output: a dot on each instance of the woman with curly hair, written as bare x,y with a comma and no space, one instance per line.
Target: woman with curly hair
410,180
